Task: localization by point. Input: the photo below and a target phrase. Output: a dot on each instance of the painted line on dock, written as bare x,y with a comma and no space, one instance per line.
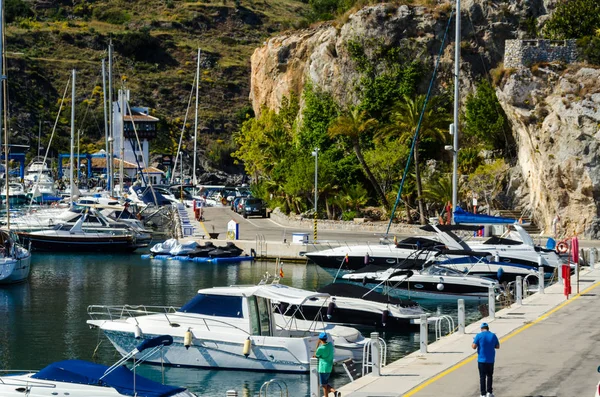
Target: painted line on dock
502,340
203,228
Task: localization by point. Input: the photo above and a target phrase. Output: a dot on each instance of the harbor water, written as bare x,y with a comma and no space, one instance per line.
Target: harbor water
44,320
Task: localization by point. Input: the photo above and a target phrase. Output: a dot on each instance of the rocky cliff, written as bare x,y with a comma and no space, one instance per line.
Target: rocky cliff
555,118
554,112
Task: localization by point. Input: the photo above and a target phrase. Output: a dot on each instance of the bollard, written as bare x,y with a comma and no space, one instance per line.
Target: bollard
461,316
423,333
541,279
376,353
492,302
560,275
314,377
519,290
231,393
592,258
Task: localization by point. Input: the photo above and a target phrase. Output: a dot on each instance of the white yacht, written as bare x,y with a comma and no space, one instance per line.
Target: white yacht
78,378
223,327
16,193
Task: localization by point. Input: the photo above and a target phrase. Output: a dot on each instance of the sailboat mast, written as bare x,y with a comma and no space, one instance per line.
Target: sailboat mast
71,159
122,141
456,106
3,122
111,120
106,134
196,119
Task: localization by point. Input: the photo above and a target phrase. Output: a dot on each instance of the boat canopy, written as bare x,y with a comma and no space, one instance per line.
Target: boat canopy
121,379
462,216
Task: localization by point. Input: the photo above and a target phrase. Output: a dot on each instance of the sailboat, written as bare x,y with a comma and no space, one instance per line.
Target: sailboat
15,260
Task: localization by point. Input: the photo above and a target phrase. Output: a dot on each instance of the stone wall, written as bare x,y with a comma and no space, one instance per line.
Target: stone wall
524,53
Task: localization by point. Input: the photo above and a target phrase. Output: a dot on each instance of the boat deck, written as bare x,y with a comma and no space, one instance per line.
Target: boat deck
548,347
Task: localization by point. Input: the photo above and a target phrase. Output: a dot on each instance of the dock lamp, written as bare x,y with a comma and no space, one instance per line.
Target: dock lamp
315,154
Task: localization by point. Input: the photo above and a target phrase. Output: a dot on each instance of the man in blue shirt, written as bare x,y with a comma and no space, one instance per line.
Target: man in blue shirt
486,343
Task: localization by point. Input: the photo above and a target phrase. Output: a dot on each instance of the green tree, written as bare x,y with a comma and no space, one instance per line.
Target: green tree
319,112
352,125
484,117
404,121
573,19
487,181
386,160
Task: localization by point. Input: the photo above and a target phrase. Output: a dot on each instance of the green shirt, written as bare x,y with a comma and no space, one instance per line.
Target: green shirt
325,355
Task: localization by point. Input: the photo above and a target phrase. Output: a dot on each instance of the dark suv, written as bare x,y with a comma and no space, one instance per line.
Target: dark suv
254,206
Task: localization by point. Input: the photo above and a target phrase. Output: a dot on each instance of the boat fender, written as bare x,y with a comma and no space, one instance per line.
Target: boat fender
187,339
137,332
384,317
500,273
252,253
440,287
247,346
364,282
562,247
367,258
330,310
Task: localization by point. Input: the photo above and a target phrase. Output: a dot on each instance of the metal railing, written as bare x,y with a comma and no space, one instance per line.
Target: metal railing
374,354
275,382
439,326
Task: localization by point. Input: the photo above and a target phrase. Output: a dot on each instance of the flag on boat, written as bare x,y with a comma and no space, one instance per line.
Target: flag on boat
281,271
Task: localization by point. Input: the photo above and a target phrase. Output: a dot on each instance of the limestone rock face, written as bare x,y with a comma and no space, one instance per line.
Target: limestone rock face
555,117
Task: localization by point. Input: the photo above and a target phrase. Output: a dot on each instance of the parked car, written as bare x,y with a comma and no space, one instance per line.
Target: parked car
254,206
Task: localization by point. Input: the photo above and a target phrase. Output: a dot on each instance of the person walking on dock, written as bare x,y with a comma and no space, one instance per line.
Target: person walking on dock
486,343
325,353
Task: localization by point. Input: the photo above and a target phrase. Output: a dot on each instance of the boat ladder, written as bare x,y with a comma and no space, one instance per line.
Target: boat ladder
261,246
440,321
283,389
367,364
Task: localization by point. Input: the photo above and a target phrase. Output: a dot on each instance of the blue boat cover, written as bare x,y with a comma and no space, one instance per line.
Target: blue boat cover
146,195
121,379
462,216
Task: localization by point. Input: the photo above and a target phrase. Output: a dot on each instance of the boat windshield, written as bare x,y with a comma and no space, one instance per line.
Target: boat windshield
440,271
214,305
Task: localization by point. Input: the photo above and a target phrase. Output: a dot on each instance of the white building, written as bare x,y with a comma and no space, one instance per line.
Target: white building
145,125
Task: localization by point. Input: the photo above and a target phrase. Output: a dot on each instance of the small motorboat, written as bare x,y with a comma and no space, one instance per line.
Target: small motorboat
78,378
15,260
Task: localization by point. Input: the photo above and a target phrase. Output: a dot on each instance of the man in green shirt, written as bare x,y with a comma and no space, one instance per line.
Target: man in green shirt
324,353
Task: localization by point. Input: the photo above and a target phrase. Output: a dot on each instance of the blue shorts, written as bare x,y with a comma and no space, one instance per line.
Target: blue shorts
324,377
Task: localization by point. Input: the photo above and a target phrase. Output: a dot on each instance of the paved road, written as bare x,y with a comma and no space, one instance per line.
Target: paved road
272,231
557,357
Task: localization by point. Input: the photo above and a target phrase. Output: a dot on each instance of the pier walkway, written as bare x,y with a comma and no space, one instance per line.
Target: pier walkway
549,347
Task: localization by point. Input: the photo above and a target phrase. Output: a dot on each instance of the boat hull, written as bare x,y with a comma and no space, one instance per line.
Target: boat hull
79,244
214,353
15,271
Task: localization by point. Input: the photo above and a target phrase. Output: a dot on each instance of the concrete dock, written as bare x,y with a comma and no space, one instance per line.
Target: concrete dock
549,346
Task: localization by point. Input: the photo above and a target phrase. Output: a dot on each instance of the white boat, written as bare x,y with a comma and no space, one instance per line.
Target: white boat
432,282
15,260
222,327
78,378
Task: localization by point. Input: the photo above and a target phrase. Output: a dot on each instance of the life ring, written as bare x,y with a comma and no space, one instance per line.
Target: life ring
562,247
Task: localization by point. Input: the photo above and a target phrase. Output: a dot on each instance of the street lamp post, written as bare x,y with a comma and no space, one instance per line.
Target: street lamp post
315,153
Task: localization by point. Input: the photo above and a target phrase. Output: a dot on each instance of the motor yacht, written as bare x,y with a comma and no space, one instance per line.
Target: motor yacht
431,282
222,327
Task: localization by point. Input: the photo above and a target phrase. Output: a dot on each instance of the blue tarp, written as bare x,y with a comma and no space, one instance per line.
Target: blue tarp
121,379
461,216
146,195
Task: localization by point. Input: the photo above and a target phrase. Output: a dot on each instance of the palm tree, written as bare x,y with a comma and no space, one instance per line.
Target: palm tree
404,121
353,124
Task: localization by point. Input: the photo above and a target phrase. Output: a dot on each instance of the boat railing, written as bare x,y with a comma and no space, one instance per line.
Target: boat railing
107,312
27,383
